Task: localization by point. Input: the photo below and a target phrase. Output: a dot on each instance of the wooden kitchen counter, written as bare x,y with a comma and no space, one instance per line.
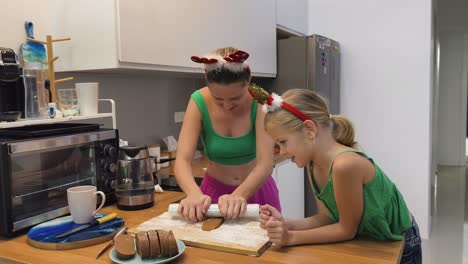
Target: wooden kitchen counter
355,251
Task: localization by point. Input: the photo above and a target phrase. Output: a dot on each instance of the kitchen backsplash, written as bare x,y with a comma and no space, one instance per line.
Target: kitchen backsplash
145,105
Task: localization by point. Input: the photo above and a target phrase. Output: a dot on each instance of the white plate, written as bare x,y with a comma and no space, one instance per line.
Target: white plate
137,259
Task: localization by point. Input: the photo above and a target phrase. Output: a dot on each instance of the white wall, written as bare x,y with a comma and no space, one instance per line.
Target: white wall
385,86
15,13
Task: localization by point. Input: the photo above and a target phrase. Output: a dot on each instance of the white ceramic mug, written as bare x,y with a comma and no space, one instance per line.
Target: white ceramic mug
87,97
82,203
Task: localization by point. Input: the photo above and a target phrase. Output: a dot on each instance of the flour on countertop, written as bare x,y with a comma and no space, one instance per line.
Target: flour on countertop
242,233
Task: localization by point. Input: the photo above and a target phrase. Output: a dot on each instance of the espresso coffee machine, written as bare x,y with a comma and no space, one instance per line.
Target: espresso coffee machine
11,86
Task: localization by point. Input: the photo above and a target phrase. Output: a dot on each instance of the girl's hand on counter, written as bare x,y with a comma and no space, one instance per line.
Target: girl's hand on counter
277,232
194,207
266,212
232,206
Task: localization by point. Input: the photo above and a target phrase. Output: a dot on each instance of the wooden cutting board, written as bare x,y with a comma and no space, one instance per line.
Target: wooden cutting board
243,236
43,235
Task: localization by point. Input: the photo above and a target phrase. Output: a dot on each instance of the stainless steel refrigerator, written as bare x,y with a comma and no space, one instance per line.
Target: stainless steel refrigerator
311,62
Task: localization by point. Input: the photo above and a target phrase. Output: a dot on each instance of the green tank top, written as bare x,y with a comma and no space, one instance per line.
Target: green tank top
226,150
385,215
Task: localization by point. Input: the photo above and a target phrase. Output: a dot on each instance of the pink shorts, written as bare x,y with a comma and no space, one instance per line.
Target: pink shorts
267,194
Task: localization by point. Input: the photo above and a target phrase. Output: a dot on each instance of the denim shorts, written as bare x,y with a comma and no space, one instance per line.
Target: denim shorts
412,253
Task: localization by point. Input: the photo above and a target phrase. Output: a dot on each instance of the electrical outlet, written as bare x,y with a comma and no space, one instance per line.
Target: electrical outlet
179,117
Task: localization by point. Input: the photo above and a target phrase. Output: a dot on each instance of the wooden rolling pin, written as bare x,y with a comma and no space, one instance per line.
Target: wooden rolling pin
252,210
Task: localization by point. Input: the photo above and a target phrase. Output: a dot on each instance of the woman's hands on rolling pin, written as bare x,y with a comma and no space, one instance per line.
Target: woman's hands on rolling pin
194,207
274,223
232,206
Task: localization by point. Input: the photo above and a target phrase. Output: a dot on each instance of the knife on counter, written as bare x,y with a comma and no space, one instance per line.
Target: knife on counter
111,243
91,224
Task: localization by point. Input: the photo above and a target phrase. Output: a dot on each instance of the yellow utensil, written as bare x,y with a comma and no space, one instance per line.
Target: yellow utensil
93,223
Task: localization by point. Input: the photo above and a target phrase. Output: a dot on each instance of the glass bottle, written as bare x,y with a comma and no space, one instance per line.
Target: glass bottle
34,91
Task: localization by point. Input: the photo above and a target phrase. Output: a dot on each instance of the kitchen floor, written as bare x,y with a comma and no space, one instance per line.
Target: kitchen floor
448,243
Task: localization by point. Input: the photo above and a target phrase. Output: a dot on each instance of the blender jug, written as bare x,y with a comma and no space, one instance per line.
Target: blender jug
135,185
35,101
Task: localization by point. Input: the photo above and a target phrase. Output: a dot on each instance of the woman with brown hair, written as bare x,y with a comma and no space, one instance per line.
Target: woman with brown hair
230,126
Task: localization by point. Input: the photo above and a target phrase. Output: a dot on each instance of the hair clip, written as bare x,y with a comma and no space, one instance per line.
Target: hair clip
237,57
273,102
203,60
258,93
233,62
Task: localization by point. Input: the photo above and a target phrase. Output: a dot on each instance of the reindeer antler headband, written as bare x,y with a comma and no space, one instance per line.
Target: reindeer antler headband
234,61
273,102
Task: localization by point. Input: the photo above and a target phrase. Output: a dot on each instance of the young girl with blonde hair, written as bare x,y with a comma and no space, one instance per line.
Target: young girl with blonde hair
354,196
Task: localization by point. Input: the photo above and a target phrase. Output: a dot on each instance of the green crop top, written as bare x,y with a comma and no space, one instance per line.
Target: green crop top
226,150
385,215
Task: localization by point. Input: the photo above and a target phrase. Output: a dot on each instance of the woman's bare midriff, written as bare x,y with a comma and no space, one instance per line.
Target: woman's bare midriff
232,175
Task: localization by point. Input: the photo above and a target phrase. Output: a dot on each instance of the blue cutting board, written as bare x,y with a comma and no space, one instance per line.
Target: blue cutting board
43,235
32,51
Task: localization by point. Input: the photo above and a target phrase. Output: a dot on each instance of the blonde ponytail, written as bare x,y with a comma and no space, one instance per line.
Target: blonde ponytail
343,130
223,52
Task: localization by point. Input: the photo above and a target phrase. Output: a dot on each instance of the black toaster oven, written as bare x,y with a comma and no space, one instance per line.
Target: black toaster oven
37,169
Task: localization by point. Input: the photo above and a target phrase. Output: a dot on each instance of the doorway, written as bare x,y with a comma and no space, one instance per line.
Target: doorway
449,221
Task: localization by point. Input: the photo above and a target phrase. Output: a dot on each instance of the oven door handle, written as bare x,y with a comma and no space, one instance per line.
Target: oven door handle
59,142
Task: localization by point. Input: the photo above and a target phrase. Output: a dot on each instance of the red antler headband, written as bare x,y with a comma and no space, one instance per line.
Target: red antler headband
273,102
234,61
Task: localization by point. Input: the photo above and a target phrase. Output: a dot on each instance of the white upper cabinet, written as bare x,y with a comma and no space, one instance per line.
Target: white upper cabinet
291,16
163,35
